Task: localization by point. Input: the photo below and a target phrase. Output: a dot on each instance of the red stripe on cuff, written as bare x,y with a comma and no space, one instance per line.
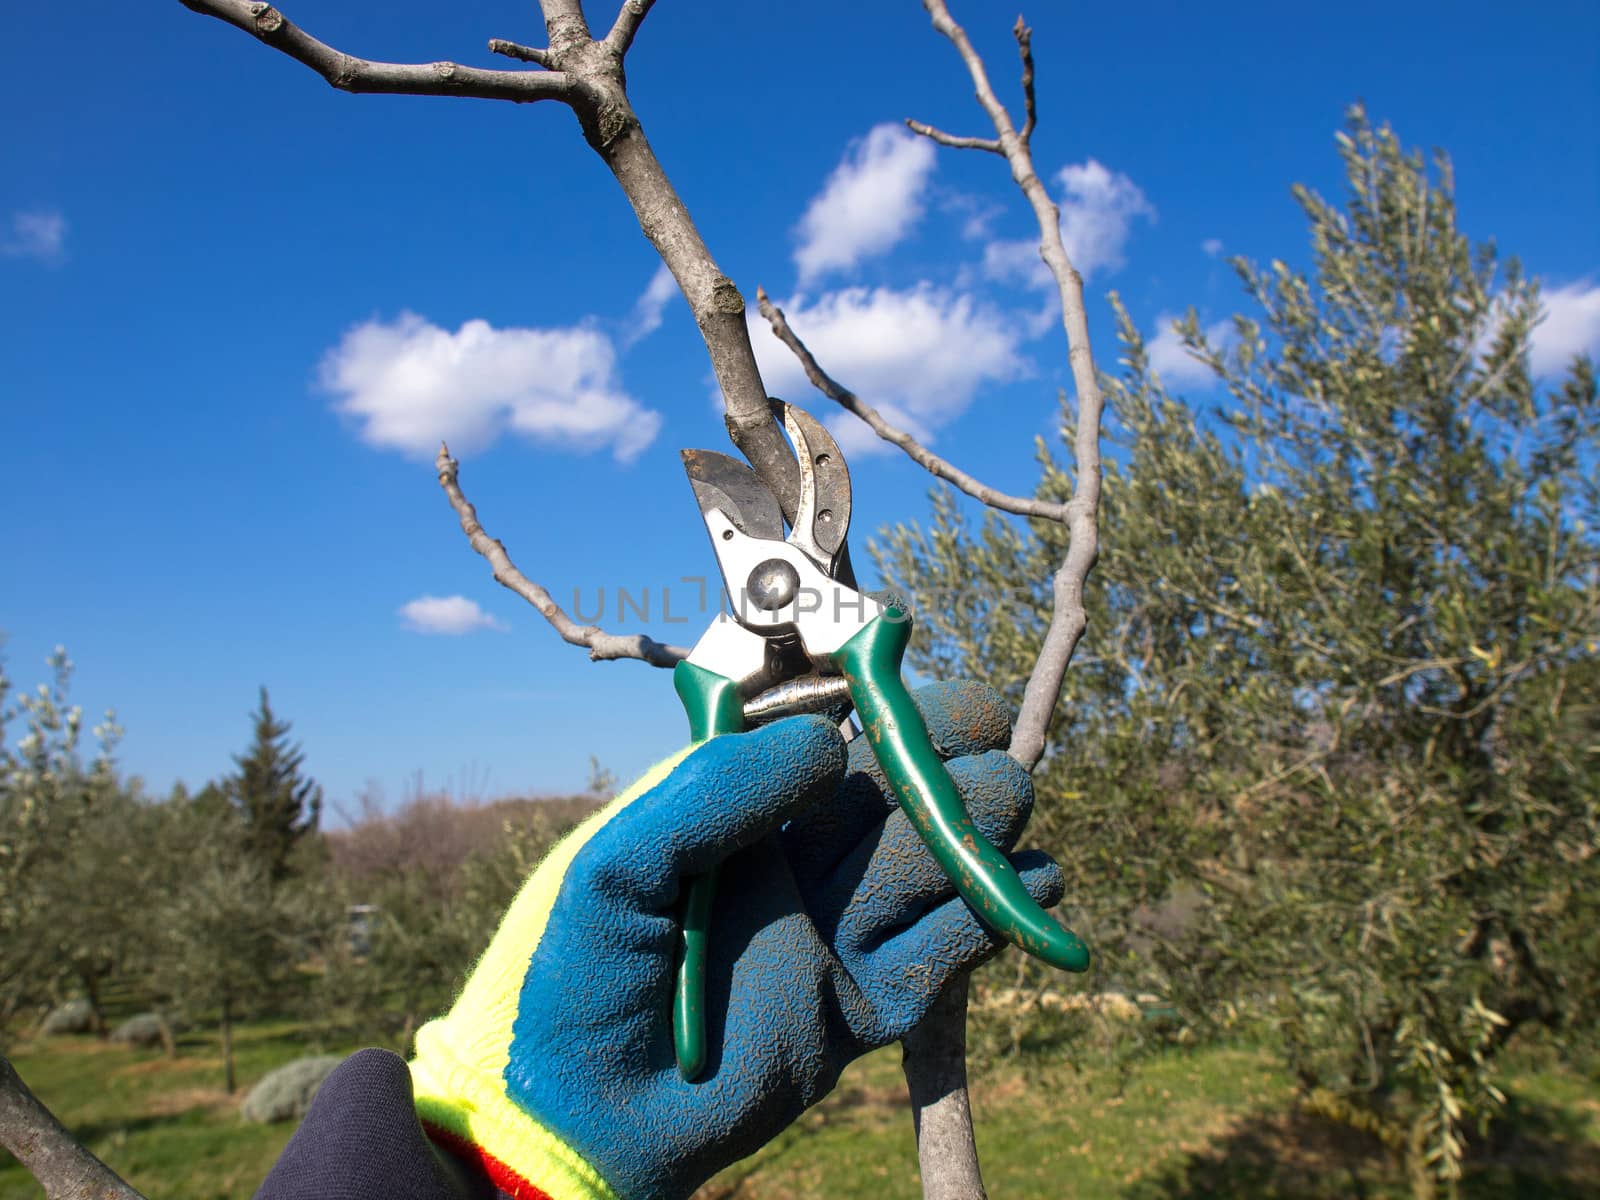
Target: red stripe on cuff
507,1180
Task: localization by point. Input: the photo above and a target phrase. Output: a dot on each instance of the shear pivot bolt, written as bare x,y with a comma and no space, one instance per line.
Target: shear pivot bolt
773,584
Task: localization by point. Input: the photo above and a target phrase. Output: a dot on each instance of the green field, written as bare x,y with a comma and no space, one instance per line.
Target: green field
1186,1123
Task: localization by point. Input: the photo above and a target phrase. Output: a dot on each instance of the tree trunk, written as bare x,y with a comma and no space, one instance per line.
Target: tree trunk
227,1044
934,1060
91,992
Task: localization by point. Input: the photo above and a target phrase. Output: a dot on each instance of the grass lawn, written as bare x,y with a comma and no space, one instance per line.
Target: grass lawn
1188,1123
167,1127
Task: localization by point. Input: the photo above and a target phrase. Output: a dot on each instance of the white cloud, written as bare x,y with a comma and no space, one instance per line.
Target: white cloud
453,615
1098,208
1017,260
919,356
977,214
410,384
1571,325
1212,247
869,203
38,235
648,309
1173,363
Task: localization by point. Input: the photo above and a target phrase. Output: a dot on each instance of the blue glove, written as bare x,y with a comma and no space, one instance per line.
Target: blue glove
833,933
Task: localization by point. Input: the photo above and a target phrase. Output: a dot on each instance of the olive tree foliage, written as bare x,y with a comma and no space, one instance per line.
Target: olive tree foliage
1333,761
58,923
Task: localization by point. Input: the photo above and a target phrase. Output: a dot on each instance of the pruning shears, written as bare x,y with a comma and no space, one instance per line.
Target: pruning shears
797,636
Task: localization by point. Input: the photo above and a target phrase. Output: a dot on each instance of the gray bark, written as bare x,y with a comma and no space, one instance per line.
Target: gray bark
63,1166
934,1060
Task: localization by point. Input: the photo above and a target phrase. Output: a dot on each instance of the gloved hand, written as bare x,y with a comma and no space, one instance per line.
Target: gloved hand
832,934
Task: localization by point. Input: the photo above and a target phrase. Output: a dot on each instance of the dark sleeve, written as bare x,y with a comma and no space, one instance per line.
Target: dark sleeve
361,1140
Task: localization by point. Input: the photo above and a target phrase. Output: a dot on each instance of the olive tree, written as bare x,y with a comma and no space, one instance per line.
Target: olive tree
61,919
1334,763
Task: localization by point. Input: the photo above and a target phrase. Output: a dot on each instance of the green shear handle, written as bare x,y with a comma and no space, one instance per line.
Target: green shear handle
714,707
870,663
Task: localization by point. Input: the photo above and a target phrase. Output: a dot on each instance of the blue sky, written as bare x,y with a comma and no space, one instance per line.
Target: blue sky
240,306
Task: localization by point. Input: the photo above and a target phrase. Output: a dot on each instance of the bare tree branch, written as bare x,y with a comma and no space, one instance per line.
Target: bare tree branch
1068,620
936,1050
627,24
64,1167
565,26
518,51
352,74
588,76
1024,37
951,140
600,644
1023,506
613,130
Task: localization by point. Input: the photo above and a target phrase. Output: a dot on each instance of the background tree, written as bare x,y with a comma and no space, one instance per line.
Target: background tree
91,921
1337,756
228,938
280,807
58,924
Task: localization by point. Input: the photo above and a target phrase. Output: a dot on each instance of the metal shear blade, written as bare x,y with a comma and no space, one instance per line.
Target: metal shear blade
822,518
723,482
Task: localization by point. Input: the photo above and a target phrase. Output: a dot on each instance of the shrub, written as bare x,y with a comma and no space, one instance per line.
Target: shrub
141,1030
285,1094
75,1016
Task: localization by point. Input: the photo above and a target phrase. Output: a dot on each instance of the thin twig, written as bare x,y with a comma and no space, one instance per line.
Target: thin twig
520,52
952,140
1068,618
64,1166
600,644
352,74
1022,506
627,24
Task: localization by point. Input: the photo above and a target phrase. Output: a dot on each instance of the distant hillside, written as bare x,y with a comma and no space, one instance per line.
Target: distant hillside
434,835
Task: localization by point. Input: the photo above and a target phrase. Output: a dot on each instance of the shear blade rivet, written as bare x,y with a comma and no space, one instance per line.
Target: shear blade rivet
825,516
773,584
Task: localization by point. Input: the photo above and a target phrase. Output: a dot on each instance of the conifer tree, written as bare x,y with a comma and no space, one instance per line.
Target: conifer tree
279,806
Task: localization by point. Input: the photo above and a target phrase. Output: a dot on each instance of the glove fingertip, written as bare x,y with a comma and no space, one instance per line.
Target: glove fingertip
964,717
810,740
905,973
1042,876
998,793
